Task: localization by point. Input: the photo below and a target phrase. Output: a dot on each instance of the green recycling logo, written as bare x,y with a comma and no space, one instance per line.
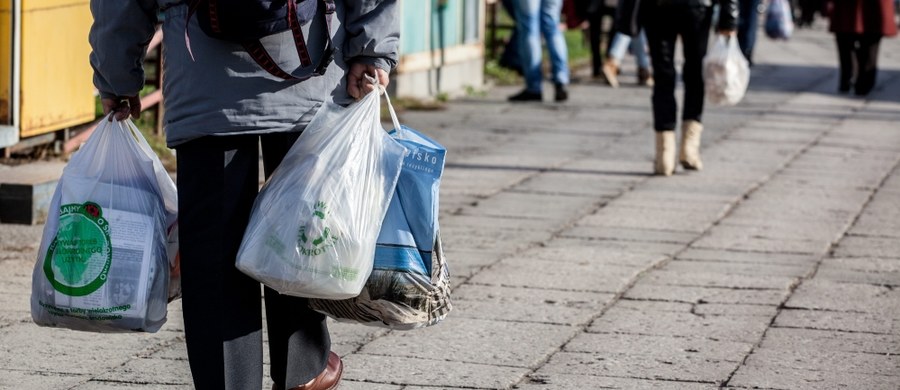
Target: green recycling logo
79,257
315,237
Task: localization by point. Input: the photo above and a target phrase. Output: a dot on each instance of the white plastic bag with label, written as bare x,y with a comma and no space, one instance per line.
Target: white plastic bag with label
313,226
726,73
104,264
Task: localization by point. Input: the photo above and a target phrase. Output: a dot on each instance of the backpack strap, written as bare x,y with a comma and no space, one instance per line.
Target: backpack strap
258,52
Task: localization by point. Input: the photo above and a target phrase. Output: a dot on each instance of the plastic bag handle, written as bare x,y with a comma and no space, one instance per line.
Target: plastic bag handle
387,98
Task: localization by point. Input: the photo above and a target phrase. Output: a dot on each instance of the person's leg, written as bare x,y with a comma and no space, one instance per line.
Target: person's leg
617,48
845,44
748,22
694,31
556,46
639,48
299,342
695,37
867,58
217,183
528,31
661,37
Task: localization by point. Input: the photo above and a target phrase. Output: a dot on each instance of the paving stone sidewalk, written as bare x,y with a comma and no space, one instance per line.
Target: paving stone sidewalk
776,267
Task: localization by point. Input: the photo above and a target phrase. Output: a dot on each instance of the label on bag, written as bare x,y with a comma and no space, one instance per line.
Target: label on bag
79,257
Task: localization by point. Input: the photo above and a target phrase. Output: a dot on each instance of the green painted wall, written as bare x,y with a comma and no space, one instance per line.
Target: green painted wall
433,24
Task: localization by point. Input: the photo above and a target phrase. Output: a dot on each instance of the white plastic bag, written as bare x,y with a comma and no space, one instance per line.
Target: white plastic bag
313,226
726,73
103,264
410,283
779,20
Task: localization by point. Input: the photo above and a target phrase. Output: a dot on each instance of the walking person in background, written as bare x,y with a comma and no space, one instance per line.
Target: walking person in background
808,9
747,25
221,105
533,19
858,26
664,22
617,48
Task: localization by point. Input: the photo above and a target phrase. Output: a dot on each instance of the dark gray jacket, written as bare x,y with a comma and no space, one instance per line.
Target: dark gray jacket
223,90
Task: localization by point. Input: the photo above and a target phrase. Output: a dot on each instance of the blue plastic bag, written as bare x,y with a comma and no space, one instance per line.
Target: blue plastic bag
410,282
779,20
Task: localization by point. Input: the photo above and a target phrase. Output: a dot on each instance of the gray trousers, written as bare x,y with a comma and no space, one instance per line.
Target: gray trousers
217,184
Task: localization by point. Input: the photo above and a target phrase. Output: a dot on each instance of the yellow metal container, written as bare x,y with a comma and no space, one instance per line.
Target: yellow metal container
5,60
56,87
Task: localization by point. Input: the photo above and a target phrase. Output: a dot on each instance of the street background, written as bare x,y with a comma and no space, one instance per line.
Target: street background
775,267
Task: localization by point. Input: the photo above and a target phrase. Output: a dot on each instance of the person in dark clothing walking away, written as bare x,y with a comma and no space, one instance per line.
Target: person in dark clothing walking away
665,21
858,26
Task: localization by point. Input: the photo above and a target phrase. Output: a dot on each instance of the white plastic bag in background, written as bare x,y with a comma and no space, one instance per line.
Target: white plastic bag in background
779,20
313,226
103,264
726,73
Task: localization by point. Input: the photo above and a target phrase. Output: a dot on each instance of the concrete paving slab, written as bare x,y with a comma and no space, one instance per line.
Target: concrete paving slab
713,279
504,343
430,373
535,206
742,329
691,294
819,294
835,361
785,378
528,304
548,274
857,246
838,321
149,371
560,381
580,251
685,266
655,218
628,234
669,348
741,239
825,341
35,380
747,257
687,369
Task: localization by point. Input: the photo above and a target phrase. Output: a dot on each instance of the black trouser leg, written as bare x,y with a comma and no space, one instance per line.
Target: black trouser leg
846,47
217,183
694,31
661,37
218,178
867,60
298,337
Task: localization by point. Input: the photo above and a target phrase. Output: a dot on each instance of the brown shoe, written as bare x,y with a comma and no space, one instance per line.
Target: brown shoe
645,77
327,380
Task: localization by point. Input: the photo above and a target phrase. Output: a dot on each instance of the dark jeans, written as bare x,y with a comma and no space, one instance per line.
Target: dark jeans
748,23
218,179
664,24
858,54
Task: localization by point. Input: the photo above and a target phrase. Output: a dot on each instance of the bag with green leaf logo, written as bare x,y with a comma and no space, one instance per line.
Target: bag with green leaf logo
104,262
313,226
410,283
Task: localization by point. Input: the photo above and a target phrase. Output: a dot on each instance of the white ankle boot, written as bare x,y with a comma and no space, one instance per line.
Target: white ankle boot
665,153
690,145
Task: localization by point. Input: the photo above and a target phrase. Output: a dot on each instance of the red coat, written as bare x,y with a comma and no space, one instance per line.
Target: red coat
862,17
